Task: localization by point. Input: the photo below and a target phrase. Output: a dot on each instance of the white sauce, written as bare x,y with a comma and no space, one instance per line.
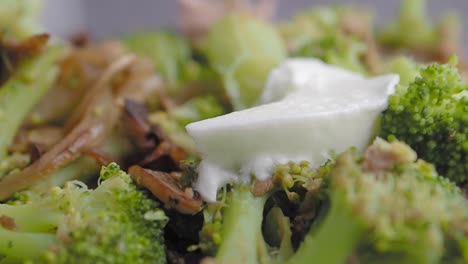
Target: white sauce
309,109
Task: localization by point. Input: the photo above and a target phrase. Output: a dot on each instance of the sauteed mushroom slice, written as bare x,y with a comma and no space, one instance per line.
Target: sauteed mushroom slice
164,186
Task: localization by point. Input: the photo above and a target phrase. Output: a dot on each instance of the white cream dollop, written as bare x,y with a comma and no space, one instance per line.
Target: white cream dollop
308,109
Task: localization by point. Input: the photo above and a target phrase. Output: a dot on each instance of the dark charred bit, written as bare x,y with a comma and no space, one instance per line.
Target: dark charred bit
35,153
7,222
167,189
155,151
14,53
136,122
80,39
165,157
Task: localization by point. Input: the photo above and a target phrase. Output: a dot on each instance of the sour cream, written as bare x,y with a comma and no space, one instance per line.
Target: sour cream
307,109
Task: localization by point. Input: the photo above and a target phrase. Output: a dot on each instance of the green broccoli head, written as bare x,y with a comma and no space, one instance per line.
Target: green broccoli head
388,205
196,109
322,33
114,223
233,230
431,115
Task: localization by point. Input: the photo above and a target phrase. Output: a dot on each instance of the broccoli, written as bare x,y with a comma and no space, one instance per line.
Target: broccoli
412,29
114,223
243,50
320,33
431,115
196,109
20,18
169,52
387,206
232,231
23,91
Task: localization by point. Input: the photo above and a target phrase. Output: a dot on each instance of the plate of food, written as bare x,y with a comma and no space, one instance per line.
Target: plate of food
233,138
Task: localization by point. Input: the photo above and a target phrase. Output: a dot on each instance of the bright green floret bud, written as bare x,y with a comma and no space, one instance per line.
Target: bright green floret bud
114,223
386,205
431,115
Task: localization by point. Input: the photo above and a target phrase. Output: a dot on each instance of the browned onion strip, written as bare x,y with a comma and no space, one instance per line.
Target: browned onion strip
165,188
93,121
89,105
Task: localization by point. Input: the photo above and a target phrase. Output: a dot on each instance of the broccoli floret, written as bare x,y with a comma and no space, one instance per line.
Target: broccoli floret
386,205
321,33
412,29
243,50
431,115
114,223
232,230
196,109
169,52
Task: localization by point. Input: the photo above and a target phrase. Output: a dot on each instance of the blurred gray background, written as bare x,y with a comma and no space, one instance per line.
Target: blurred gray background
110,18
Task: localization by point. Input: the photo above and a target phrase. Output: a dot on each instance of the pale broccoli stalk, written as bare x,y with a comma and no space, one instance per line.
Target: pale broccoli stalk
23,91
430,114
242,227
387,204
196,109
232,231
243,50
114,223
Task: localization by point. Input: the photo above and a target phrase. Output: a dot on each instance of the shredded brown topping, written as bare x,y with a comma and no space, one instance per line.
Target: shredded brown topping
13,53
163,186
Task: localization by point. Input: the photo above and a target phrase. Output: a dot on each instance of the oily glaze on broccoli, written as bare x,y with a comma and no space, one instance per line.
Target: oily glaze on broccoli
388,206
114,223
431,115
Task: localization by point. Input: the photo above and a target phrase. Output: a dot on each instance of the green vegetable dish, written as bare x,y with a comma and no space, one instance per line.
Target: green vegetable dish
234,139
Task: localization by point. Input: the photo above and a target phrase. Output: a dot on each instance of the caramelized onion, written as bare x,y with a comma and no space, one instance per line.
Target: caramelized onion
163,186
90,124
14,53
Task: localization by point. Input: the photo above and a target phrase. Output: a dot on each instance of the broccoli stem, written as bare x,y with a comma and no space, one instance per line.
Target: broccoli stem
24,245
336,238
242,227
23,91
30,218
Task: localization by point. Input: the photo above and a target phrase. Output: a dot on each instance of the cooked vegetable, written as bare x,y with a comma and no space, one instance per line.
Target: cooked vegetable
386,206
23,91
196,109
431,115
243,50
412,29
114,223
19,18
337,35
92,121
233,228
170,53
